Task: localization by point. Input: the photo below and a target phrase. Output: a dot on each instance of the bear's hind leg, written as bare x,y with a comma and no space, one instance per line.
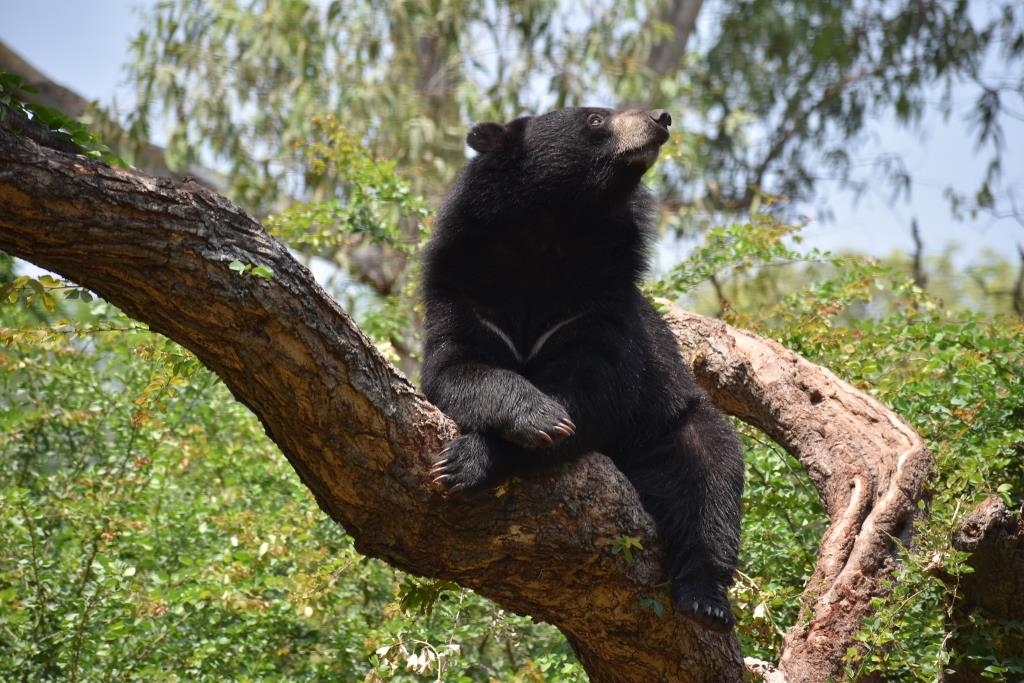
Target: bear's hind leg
691,482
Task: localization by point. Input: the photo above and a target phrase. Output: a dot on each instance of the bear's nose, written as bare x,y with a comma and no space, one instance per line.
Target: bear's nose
661,117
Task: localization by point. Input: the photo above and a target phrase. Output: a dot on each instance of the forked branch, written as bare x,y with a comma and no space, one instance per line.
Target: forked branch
362,438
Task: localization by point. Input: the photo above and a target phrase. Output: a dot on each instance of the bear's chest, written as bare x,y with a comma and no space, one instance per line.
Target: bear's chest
540,262
531,280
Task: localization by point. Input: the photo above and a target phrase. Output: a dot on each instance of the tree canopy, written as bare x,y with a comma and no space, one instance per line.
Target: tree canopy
776,94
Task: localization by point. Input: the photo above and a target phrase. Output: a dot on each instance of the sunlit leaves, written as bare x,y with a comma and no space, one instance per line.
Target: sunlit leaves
61,126
372,199
265,272
732,251
32,290
625,546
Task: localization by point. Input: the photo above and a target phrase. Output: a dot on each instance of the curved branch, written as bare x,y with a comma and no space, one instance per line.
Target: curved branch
361,437
867,464
358,433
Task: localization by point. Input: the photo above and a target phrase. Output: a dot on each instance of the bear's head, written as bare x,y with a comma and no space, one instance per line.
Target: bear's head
582,154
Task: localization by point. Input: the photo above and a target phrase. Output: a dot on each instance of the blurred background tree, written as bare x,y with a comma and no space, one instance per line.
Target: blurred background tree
339,124
773,96
773,99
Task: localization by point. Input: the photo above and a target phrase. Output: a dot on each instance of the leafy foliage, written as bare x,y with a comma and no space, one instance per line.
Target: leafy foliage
789,86
370,225
128,473
952,373
625,545
370,198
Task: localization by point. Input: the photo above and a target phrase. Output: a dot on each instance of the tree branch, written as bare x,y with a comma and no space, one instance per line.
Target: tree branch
920,277
1017,298
358,434
361,437
867,464
142,154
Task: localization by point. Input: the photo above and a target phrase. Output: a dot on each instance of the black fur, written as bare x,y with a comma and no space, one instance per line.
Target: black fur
541,347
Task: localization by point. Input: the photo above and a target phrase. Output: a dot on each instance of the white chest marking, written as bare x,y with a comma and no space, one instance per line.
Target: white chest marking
537,345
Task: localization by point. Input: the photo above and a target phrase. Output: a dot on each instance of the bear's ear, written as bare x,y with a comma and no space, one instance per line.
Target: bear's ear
486,137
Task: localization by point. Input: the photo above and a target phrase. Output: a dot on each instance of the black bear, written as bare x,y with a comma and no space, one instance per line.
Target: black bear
541,347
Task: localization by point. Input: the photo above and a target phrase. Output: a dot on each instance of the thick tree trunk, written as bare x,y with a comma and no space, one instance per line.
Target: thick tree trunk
362,438
994,537
681,17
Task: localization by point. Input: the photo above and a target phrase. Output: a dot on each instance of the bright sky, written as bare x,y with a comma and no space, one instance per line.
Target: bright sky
83,44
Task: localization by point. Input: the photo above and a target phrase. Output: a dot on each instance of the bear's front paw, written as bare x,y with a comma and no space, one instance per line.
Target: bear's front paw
710,609
540,426
464,466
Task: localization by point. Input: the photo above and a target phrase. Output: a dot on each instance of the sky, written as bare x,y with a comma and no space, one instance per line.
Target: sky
83,44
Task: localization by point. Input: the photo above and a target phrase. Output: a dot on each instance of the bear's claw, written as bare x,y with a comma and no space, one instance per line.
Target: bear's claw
710,611
461,467
540,426
565,428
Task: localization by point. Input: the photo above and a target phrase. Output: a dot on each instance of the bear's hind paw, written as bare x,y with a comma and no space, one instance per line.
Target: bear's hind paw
709,610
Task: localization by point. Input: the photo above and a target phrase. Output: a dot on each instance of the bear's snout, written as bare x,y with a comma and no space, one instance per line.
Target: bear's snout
661,117
639,134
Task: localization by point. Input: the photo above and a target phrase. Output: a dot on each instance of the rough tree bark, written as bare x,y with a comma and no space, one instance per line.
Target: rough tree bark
362,438
995,539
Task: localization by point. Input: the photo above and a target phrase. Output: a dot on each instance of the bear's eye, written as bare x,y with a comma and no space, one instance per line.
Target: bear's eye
595,120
